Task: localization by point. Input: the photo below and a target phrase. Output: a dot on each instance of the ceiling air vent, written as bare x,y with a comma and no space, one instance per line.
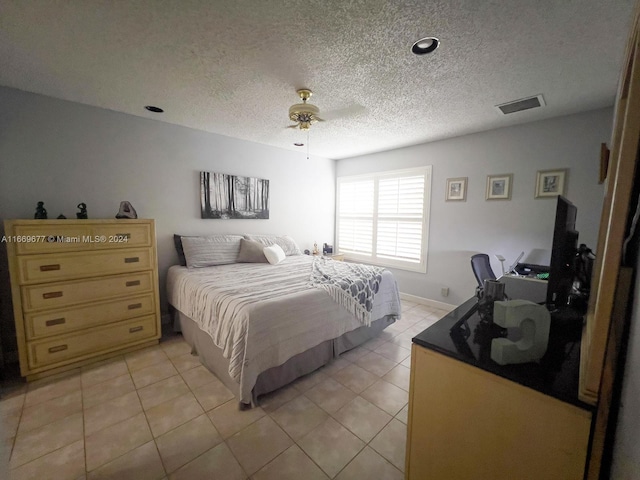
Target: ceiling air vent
522,104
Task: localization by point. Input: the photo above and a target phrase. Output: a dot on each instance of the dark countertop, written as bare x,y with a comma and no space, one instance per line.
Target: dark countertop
557,373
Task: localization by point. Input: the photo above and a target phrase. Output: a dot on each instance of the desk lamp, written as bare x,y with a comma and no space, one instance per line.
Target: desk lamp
501,259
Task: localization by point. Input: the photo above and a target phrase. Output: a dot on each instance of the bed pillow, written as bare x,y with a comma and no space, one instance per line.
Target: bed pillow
251,252
177,242
285,242
274,254
211,250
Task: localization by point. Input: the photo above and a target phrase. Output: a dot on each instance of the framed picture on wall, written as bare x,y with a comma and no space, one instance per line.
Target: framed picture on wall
456,189
225,196
550,183
499,186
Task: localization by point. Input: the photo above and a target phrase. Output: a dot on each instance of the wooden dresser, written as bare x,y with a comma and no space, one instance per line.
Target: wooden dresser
82,290
470,418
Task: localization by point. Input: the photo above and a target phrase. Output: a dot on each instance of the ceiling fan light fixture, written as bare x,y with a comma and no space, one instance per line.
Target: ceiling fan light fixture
303,110
304,114
425,45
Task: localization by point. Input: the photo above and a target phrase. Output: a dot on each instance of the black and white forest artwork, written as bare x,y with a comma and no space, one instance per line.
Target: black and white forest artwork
230,196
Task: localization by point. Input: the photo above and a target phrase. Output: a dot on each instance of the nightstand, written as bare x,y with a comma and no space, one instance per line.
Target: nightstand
339,257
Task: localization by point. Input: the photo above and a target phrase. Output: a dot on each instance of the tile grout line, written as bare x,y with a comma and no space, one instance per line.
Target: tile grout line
365,444
144,412
224,440
368,443
121,421
292,439
167,473
191,390
24,406
15,437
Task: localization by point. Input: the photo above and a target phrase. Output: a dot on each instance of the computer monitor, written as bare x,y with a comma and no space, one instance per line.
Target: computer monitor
563,252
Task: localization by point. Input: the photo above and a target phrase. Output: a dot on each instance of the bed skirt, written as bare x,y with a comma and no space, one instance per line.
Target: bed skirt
276,377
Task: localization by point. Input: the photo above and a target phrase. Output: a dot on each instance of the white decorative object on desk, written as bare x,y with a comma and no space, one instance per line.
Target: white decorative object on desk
534,322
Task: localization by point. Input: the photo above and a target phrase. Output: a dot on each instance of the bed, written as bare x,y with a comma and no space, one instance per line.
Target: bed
259,326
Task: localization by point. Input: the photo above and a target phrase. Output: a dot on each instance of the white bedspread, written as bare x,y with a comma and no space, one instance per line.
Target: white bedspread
261,315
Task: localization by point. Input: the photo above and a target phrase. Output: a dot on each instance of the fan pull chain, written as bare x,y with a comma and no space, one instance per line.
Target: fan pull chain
307,144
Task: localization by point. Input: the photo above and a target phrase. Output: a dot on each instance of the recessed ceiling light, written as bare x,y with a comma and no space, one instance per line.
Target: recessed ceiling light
153,109
299,144
425,45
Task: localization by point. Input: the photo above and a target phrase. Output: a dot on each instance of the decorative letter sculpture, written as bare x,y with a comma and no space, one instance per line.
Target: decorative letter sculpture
532,320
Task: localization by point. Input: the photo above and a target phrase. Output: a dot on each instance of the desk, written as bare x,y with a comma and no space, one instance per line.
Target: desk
470,418
526,288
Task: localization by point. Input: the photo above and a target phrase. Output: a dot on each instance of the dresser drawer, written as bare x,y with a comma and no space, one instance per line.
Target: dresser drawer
90,343
50,238
122,235
56,322
61,294
66,266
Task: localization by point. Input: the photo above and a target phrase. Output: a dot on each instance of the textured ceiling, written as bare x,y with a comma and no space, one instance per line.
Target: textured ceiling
232,67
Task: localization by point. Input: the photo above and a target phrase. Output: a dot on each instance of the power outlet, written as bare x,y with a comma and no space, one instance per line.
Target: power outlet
444,291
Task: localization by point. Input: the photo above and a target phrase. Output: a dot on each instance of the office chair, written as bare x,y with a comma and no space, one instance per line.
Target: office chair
482,268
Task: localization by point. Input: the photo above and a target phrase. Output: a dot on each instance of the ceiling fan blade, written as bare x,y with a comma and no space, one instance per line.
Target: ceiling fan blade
345,112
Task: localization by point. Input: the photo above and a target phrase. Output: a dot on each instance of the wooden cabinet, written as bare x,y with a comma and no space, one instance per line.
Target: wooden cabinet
467,423
82,290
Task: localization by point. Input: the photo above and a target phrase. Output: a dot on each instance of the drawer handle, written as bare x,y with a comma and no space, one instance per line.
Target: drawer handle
133,306
51,295
131,259
55,321
123,235
48,268
136,329
58,348
133,283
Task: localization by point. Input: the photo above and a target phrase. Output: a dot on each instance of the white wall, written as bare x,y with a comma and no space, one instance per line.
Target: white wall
64,153
461,229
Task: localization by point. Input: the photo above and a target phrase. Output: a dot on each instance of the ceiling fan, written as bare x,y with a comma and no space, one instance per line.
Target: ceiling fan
304,114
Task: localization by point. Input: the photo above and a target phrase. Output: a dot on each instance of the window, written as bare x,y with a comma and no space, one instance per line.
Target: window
382,218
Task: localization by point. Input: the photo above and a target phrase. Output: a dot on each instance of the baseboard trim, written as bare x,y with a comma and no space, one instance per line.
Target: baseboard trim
427,301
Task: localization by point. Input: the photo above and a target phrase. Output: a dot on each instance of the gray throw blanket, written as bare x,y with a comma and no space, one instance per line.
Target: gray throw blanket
351,285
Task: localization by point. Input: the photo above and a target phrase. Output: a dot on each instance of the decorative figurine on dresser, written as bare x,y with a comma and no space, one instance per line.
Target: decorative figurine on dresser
82,291
126,211
41,212
82,214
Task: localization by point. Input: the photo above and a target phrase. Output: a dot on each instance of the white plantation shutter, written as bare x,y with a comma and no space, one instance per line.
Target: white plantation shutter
355,215
382,218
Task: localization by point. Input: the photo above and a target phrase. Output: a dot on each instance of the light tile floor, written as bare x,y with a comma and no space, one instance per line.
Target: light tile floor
159,414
